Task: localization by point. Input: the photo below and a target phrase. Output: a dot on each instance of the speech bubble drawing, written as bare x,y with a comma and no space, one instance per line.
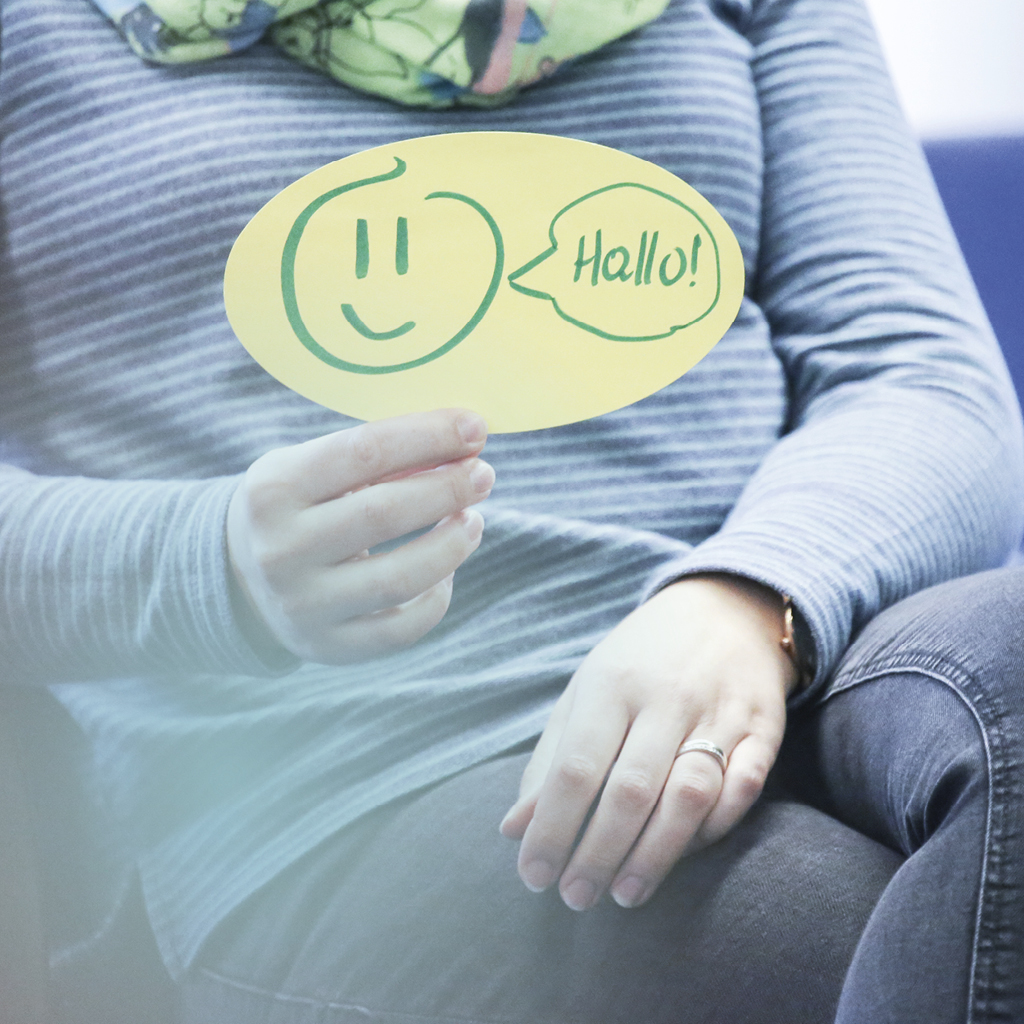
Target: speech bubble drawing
378,284
626,279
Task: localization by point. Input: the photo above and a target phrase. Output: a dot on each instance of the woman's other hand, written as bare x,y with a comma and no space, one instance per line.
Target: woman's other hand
701,660
303,521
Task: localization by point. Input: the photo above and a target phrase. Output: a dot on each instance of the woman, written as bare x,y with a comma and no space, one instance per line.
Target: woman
309,801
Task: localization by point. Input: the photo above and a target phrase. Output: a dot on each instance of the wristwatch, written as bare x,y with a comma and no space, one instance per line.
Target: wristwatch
798,643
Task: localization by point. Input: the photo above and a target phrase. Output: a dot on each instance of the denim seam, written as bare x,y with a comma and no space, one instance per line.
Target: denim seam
953,677
321,1004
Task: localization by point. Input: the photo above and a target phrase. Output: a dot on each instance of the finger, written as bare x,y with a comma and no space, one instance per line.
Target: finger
749,764
630,794
335,531
367,585
386,632
586,750
330,466
693,787
519,815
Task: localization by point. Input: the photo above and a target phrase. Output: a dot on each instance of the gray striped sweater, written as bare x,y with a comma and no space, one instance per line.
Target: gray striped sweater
852,439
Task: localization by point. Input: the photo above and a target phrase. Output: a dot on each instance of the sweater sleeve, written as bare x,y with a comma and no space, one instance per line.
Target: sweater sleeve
101,579
901,465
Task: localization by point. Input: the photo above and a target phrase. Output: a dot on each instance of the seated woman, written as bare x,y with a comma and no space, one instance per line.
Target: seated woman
305,754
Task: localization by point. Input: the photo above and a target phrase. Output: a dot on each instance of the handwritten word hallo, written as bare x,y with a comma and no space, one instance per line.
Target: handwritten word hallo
617,265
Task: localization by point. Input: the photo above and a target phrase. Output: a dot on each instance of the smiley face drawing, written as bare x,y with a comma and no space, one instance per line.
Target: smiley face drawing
379,284
383,327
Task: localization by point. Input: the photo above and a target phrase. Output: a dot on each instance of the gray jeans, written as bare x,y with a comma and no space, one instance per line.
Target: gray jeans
879,880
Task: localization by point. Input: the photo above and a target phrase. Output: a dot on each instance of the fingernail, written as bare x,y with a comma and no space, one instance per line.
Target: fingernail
471,428
629,892
580,895
474,524
482,477
537,875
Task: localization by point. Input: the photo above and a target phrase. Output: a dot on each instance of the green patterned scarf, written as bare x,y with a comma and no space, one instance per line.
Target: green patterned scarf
432,53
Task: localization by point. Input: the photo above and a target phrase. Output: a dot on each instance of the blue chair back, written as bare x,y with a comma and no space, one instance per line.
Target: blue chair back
982,184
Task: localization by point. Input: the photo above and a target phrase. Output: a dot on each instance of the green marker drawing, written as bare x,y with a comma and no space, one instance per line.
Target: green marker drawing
362,248
290,298
638,276
605,262
354,319
363,268
663,276
402,246
650,258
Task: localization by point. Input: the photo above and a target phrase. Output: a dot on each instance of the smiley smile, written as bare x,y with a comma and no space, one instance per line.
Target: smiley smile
353,318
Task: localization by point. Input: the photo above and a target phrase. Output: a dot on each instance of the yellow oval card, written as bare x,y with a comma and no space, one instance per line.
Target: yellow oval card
536,279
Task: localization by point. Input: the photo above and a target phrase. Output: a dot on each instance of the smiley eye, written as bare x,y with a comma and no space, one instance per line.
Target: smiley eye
402,246
363,247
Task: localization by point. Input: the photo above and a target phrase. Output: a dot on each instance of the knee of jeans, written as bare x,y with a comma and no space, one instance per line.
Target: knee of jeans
901,754
971,628
960,779
952,763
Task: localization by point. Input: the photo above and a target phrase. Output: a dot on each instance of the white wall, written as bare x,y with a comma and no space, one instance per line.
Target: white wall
958,64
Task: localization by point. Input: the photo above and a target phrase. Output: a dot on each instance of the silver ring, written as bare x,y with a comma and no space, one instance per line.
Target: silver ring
704,747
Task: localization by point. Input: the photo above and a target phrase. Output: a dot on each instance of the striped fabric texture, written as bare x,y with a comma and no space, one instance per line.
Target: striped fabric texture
853,438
